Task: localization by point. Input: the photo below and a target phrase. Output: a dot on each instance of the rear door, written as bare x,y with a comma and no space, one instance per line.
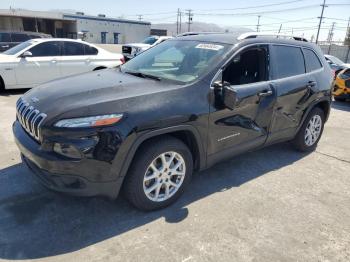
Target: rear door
41,67
293,87
76,58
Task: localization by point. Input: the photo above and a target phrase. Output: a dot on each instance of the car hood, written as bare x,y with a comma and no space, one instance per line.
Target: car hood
101,92
138,45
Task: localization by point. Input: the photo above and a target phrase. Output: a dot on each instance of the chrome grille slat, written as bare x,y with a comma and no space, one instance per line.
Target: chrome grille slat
30,118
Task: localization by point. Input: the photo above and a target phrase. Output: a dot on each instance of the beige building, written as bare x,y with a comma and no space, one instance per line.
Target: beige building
94,29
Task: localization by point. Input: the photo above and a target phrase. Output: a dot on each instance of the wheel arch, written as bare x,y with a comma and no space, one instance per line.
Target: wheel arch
2,83
100,68
324,104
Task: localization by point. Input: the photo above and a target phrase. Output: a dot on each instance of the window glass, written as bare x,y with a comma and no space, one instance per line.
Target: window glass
248,67
289,61
179,61
311,60
19,37
18,48
150,40
73,49
90,50
5,37
46,49
34,36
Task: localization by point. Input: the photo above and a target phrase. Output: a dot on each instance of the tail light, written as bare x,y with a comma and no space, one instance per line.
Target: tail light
122,60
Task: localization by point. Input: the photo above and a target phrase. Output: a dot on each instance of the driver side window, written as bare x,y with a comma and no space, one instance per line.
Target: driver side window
249,66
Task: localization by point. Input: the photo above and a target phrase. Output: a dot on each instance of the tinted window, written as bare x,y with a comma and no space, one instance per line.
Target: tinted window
90,50
311,60
19,37
46,49
289,61
5,37
73,49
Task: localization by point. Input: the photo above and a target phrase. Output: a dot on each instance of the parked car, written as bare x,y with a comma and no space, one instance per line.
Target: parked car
180,107
41,60
10,39
341,90
132,50
336,64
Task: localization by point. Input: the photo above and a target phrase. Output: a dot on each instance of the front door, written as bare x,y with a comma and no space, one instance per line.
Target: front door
246,125
41,67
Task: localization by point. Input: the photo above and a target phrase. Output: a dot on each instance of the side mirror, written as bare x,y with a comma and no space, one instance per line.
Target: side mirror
229,96
225,93
27,54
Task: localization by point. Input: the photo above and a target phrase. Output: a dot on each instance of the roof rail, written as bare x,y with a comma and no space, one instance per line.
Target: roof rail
198,33
262,34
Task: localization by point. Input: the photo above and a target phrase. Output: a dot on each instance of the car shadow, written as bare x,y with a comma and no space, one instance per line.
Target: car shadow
13,92
345,106
37,223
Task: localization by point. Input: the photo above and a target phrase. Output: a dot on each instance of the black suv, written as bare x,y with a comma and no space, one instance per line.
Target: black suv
179,107
11,39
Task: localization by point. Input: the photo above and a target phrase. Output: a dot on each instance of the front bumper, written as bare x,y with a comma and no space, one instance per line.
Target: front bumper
75,177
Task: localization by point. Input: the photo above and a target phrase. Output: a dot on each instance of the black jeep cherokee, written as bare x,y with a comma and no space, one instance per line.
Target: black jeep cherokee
179,107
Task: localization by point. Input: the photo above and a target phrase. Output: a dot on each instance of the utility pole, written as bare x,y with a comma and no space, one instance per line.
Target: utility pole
321,18
190,18
330,37
279,30
140,17
177,21
347,41
258,25
180,27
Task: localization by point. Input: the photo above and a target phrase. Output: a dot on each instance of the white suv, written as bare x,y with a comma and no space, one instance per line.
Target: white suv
132,50
41,60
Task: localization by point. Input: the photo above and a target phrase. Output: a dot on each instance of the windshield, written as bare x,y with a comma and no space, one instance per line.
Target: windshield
335,60
178,60
18,48
150,40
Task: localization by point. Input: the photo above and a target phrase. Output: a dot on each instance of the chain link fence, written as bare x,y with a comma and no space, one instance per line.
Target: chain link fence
340,51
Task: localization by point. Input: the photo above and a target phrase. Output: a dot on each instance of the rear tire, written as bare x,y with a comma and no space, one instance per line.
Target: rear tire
310,132
2,85
159,174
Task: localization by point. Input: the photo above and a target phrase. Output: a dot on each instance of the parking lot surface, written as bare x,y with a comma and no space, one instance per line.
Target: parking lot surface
275,204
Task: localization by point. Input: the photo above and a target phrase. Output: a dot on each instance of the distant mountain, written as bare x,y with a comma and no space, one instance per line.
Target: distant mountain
200,27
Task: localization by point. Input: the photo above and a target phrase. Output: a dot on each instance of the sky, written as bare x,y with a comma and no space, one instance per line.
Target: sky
297,16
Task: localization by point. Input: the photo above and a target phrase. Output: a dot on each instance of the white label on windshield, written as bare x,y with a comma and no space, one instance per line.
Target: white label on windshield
210,46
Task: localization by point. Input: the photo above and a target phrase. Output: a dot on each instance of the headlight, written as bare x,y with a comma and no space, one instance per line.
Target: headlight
91,121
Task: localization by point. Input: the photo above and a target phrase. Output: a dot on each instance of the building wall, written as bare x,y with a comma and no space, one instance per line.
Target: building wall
11,23
342,52
128,32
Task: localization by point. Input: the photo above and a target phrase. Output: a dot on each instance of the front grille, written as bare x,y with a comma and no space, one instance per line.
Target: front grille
30,118
126,49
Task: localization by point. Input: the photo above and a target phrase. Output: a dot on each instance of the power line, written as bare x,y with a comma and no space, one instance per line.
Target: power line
253,7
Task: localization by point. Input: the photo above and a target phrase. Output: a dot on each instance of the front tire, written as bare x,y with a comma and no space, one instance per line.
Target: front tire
310,132
160,173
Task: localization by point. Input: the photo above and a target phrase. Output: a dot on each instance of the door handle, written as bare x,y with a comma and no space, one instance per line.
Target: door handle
311,84
54,61
5,46
265,93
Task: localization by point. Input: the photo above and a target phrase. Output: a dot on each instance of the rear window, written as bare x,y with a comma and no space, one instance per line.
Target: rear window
5,37
289,61
73,49
90,50
311,60
19,37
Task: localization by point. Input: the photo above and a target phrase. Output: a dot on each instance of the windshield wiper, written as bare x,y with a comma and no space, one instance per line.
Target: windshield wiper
139,74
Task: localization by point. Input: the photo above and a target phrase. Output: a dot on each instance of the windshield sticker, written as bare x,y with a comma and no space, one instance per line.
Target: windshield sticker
210,46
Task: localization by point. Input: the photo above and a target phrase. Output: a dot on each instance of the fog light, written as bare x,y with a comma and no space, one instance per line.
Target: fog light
67,150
